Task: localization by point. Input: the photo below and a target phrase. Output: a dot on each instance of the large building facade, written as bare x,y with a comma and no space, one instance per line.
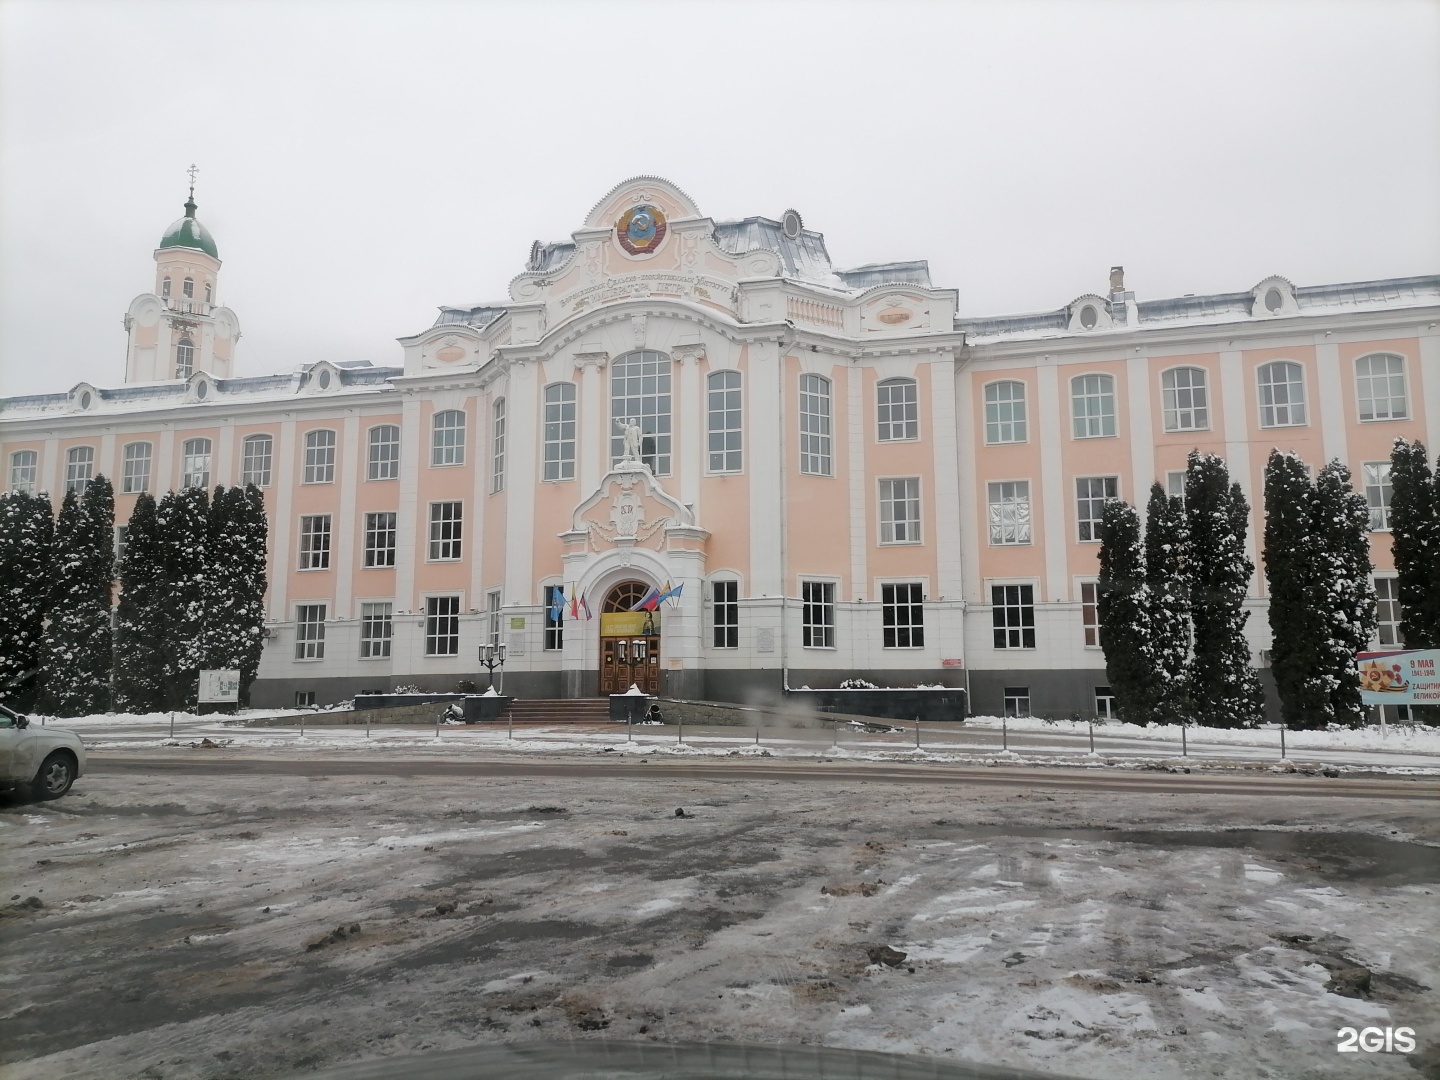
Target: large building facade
839,473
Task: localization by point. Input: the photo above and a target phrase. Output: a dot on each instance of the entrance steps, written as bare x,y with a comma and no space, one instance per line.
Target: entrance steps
559,711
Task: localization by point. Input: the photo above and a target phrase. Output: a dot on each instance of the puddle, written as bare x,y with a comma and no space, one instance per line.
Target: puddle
1343,856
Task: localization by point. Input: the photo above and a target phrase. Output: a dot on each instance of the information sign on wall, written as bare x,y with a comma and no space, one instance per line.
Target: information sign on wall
218,686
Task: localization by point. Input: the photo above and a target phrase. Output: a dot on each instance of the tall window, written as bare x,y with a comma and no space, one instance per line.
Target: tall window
1090,613
725,613
24,469
188,288
815,425
1012,615
79,468
315,542
1005,412
723,393
195,463
1091,495
1175,484
320,457
1017,701
376,630
1378,494
310,632
445,528
1092,406
497,446
209,293
1185,399
817,616
380,539
640,391
554,617
1387,611
184,358
1104,703
560,431
135,472
447,441
442,626
1010,512
255,462
384,459
165,288
897,410
902,610
492,615
900,510
1380,382
1282,394
122,540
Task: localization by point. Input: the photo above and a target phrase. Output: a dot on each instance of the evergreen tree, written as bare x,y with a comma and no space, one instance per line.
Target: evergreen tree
27,536
1224,691
1169,610
1125,630
76,650
1415,540
1342,524
254,530
1294,571
182,520
139,633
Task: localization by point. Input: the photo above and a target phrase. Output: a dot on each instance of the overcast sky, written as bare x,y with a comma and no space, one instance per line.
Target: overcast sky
361,164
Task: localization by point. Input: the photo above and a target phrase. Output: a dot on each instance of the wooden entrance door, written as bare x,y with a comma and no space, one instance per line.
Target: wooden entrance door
629,641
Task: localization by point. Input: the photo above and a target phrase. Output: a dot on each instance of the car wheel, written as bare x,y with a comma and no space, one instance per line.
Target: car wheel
55,776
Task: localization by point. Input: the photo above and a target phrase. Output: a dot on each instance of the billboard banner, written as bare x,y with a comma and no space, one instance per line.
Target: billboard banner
1407,677
219,686
629,623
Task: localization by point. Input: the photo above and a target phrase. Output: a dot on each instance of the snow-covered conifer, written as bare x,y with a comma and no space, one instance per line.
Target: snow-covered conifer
77,650
182,520
139,630
1168,609
250,616
1415,539
27,535
1347,591
1293,572
1125,631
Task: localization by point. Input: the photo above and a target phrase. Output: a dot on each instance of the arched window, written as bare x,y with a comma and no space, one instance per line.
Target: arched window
447,440
640,391
188,288
897,410
255,461
1282,394
497,447
1092,405
209,293
320,457
1005,420
1380,384
384,463
184,358
24,467
79,468
723,405
195,464
1186,399
815,455
560,431
165,288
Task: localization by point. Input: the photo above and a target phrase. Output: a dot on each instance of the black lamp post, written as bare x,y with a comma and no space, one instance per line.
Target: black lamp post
492,655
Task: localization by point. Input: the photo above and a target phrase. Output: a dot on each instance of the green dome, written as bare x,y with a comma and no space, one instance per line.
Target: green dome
189,233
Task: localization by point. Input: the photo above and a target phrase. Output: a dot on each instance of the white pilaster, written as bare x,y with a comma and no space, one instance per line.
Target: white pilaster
692,421
945,498
1330,403
414,456
859,493
592,411
284,479
1048,428
521,408
1426,381
767,458
345,525
970,524
1139,429
225,454
1237,448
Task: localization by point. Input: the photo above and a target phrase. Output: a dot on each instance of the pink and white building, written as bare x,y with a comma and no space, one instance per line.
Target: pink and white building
844,475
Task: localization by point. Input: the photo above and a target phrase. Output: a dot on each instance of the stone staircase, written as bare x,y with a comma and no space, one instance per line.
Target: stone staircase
559,711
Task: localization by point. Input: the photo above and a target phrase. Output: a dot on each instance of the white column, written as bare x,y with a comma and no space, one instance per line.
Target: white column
860,495
972,528
164,478
945,499
414,456
691,421
521,407
284,481
51,474
768,444
345,527
1237,448
1052,480
105,463
592,417
1330,402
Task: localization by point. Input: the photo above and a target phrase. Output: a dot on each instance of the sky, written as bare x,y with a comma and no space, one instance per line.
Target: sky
363,163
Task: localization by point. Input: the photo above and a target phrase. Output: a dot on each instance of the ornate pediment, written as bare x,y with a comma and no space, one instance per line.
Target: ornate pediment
627,509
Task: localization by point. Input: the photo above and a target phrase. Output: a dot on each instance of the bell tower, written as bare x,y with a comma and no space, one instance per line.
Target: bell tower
180,328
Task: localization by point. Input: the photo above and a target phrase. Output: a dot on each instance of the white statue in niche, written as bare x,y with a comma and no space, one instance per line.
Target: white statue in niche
630,431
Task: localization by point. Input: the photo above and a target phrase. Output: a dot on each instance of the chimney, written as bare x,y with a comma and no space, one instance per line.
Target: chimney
1117,279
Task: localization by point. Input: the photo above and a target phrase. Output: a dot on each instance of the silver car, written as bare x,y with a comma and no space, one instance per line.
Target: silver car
44,761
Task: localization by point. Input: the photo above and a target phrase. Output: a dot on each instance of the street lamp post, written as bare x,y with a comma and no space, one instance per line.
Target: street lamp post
492,655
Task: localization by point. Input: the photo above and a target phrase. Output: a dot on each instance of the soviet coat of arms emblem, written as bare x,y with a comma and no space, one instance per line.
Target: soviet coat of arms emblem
640,229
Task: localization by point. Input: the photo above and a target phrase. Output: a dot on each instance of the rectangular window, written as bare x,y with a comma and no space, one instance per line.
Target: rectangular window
1104,703
497,451
315,542
903,615
1282,394
319,457
1017,701
304,699
1010,512
1380,382
24,470
376,630
1185,399
1091,495
815,425
897,410
1378,494
1175,483
135,472
1387,611
445,529
442,626
79,468
554,618
380,539
195,464
384,461
310,632
640,395
1092,406
255,462
1090,612
1012,614
725,613
122,538
900,511
1005,412
492,615
817,622
723,406
560,431
447,440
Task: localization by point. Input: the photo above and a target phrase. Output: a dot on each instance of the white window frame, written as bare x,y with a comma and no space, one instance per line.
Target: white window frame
79,468
907,427
1092,524
24,471
122,541
1020,695
725,400
1104,702
310,632
195,458
437,633
379,555
724,613
255,466
446,531
316,537
1089,592
1175,484
560,432
497,446
1191,417
895,530
1013,632
1009,528
1387,603
829,589
817,410
1291,412
1367,381
447,440
494,602
654,411
1379,493
319,456
184,358
137,458
376,615
1000,430
382,455
892,605
553,629
1087,424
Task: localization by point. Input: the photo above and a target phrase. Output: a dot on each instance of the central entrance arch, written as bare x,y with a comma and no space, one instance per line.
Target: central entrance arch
629,641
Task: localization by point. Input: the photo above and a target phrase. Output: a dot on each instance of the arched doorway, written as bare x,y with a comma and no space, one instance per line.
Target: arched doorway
629,641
